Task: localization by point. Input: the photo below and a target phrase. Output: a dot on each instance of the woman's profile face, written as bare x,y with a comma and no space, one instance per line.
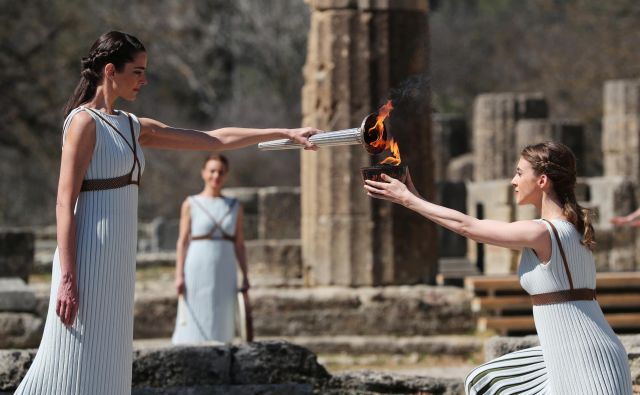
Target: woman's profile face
132,78
214,174
525,184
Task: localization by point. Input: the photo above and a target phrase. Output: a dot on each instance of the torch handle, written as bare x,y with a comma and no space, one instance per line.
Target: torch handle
339,137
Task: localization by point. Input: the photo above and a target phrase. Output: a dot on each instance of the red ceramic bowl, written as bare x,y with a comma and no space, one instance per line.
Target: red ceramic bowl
374,172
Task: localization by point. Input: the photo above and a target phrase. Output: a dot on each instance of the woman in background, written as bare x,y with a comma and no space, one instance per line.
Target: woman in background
210,244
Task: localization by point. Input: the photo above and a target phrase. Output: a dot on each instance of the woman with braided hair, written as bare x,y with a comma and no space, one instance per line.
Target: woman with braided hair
579,353
86,346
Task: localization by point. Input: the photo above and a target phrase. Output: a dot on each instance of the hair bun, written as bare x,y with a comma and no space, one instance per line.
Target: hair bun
90,76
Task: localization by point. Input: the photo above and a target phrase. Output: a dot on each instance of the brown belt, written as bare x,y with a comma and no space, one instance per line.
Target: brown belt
207,237
568,295
107,183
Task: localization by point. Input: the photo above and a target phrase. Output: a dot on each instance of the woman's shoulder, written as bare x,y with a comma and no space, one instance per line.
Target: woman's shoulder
79,116
231,201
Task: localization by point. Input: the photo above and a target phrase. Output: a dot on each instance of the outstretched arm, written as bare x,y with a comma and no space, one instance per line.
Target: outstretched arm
155,134
515,235
632,219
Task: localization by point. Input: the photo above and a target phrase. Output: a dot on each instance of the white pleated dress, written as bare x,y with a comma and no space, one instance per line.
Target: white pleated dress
579,354
209,306
94,356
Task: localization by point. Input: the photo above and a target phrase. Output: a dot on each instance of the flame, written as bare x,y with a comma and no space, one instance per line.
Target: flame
380,142
394,159
378,129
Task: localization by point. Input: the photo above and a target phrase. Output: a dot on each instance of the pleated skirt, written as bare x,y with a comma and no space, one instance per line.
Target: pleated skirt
520,372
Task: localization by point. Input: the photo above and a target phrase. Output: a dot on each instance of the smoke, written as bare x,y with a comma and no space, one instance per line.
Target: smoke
412,96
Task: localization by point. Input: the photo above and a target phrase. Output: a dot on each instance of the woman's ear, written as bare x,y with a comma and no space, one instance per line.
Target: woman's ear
544,182
109,70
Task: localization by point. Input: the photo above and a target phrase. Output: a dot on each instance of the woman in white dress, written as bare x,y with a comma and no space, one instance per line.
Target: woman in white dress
210,244
579,353
86,347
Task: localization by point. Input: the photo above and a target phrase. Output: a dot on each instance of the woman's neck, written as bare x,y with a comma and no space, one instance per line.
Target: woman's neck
550,207
210,192
102,101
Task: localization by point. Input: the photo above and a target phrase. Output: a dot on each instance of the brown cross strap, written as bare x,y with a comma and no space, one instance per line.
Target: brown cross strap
121,181
217,224
568,295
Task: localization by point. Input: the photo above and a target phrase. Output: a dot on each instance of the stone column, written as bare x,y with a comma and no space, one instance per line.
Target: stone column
494,137
357,52
621,129
621,150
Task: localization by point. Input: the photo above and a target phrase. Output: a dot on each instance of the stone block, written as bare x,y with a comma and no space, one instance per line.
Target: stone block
460,168
331,311
362,311
489,193
499,346
20,330
16,296
274,362
568,132
494,137
164,233
16,253
370,383
604,245
450,139
279,213
499,260
527,212
251,389
182,366
452,195
622,259
13,366
275,262
621,129
612,196
154,316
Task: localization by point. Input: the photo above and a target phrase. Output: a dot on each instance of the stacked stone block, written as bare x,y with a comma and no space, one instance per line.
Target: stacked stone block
621,129
450,140
491,200
568,132
495,116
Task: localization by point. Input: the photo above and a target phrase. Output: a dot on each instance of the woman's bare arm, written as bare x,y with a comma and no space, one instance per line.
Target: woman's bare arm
182,245
78,148
515,235
155,134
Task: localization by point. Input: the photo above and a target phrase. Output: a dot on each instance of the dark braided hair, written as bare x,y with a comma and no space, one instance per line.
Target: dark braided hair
114,47
556,161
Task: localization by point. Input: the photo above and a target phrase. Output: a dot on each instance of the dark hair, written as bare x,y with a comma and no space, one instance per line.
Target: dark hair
114,47
218,157
557,162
